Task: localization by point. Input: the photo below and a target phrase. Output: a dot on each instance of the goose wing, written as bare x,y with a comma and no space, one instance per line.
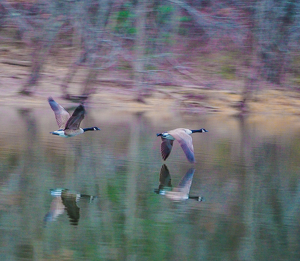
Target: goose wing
186,143
186,182
164,176
166,147
73,211
61,115
74,122
56,209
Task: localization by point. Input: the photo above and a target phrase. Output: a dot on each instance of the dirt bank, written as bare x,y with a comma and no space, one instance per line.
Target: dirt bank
223,98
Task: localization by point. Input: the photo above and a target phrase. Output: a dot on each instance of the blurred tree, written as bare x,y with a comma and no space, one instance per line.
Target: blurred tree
140,40
275,23
144,40
42,32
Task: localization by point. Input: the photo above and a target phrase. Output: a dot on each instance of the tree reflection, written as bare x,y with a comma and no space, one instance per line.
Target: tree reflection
249,177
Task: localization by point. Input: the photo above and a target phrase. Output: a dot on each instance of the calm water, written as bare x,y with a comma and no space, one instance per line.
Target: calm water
247,172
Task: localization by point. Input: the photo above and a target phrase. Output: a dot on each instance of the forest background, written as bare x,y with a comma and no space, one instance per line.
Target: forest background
233,56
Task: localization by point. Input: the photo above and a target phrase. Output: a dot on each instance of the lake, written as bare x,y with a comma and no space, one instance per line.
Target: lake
246,172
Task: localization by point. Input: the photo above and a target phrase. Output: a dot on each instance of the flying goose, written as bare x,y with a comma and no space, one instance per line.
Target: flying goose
68,126
183,137
182,191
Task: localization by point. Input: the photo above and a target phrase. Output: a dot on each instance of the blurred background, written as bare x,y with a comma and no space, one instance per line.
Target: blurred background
144,67
79,48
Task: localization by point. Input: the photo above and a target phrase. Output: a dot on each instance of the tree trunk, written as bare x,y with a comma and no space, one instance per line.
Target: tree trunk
42,48
274,22
89,83
139,52
92,48
71,73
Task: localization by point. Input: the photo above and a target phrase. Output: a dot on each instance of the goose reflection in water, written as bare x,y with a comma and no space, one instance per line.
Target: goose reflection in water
65,200
179,193
164,180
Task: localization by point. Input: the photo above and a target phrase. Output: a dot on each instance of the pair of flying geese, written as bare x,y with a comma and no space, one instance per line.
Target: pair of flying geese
69,126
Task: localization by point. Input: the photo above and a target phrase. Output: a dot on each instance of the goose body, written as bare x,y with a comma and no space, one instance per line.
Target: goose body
183,137
68,125
182,191
63,134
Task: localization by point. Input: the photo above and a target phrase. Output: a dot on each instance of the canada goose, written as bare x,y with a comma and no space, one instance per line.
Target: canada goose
183,137
68,126
65,200
182,191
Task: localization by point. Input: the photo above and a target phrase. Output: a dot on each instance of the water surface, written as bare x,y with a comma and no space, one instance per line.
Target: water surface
247,171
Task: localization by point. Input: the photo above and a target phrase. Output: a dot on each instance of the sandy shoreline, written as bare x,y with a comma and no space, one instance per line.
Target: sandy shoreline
195,101
220,99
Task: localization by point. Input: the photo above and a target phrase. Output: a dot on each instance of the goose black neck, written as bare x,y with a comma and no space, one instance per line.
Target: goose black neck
87,196
193,131
197,198
200,130
91,129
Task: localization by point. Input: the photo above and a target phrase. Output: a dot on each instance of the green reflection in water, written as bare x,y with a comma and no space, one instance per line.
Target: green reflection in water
247,170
